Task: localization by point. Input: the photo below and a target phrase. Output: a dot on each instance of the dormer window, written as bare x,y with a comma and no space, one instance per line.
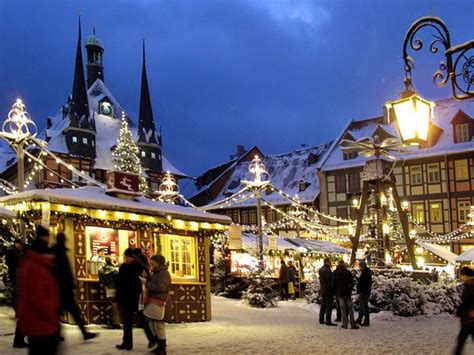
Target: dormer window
302,186
312,158
349,155
462,133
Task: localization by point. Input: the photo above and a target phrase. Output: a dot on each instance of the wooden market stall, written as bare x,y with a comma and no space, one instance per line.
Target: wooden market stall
93,219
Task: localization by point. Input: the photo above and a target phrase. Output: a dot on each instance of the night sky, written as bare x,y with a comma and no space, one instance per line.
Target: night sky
276,74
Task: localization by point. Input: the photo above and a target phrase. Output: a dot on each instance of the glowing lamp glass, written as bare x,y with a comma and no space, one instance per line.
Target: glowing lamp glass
413,115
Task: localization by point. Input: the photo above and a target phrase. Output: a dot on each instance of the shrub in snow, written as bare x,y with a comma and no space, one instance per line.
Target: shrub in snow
260,292
6,288
312,293
224,284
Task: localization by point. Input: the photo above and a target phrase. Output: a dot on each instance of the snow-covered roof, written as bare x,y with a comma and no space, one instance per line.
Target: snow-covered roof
95,197
286,171
6,213
249,242
438,251
318,246
444,111
107,129
468,256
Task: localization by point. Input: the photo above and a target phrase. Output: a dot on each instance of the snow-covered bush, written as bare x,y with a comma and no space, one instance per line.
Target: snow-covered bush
260,292
6,288
312,292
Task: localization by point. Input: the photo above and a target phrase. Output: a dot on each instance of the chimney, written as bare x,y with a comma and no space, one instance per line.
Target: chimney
239,152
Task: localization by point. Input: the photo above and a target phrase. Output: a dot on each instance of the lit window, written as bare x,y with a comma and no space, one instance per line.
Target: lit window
416,177
84,140
418,212
461,170
433,173
143,154
153,155
180,252
92,143
252,217
435,212
462,133
463,210
74,139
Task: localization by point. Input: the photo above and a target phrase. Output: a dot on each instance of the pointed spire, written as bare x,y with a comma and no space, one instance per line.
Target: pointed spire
79,112
146,124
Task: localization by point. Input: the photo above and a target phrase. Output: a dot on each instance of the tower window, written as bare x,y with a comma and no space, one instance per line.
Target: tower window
74,139
153,155
143,154
84,140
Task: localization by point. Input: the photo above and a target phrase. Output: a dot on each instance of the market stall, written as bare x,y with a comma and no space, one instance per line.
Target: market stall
467,257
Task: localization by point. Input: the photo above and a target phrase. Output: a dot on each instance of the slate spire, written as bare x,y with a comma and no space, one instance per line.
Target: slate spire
146,124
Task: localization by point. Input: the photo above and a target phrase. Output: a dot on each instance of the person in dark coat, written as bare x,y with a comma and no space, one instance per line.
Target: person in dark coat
39,300
128,291
13,257
466,308
364,288
291,280
343,283
67,285
283,278
108,277
327,293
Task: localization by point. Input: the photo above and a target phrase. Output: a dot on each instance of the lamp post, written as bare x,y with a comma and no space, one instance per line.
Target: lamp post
459,60
16,130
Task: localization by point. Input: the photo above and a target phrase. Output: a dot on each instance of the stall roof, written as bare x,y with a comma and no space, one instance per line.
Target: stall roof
95,197
468,256
318,246
6,213
438,251
249,242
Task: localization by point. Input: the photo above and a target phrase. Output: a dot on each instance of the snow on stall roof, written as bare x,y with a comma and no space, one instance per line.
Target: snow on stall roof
438,251
249,242
95,197
468,256
444,112
319,246
6,213
7,155
285,173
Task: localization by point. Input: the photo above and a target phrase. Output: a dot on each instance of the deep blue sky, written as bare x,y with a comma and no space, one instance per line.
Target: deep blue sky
276,74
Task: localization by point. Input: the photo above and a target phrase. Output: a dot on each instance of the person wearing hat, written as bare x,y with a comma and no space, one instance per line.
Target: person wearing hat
39,300
364,288
128,292
12,259
158,286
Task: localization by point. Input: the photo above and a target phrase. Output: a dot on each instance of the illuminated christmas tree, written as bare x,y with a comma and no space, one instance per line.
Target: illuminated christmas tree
126,154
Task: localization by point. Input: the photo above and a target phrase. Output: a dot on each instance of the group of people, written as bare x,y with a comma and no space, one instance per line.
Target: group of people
287,280
336,289
43,290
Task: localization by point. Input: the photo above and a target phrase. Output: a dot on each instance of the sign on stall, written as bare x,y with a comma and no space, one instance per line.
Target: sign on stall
272,243
235,237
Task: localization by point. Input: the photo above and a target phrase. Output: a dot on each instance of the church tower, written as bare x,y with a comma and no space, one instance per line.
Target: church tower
95,51
149,142
80,135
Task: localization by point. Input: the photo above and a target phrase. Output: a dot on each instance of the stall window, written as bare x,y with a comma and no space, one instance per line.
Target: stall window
418,212
463,210
433,173
180,252
435,212
416,177
461,169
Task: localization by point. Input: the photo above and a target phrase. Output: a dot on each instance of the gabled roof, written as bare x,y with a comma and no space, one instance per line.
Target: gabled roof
461,117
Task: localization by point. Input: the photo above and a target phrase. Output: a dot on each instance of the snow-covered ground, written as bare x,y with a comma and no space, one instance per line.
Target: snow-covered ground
292,328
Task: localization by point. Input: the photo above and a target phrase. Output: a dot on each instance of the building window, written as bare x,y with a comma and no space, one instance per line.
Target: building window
416,177
92,142
435,212
462,133
253,217
84,140
341,183
235,216
464,208
433,173
418,212
341,212
354,182
245,217
271,216
153,155
461,169
349,155
74,139
143,154
180,252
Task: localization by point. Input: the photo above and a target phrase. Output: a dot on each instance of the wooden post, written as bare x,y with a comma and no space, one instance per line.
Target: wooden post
404,221
360,215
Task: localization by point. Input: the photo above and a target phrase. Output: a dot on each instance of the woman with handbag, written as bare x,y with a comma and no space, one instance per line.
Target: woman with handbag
158,286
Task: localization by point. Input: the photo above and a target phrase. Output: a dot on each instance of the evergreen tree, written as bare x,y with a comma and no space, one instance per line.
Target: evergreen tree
126,154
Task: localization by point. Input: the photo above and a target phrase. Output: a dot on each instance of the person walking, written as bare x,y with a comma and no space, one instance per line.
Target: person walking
39,299
364,288
343,283
283,278
13,257
158,286
108,277
291,280
466,308
128,292
327,293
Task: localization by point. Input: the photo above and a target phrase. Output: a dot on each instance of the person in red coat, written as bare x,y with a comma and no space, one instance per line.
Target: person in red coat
39,300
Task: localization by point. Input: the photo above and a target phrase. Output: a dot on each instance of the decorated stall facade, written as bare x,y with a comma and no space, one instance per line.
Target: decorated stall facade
93,220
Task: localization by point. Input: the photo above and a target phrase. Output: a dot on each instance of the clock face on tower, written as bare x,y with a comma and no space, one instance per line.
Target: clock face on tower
106,109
